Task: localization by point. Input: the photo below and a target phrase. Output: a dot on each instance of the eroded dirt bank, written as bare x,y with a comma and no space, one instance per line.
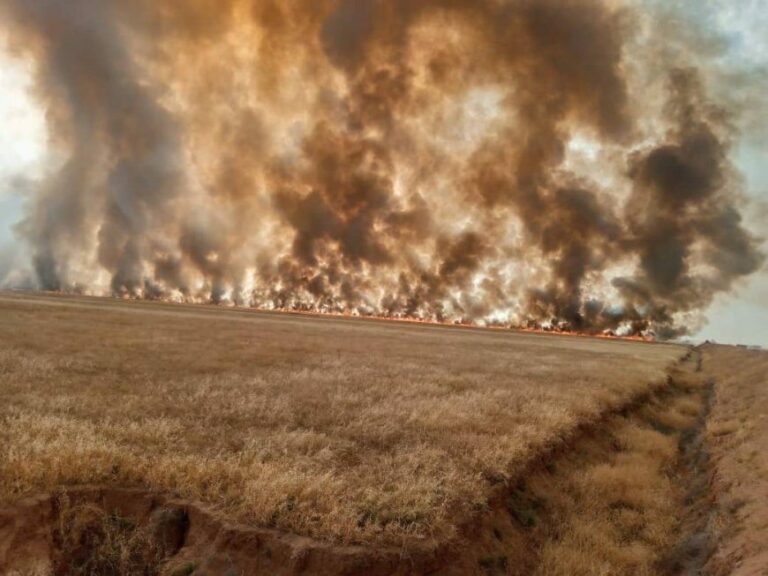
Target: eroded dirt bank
631,494
737,434
614,500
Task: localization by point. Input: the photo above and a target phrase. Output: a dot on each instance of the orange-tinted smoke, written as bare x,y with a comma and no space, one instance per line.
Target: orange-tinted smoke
392,157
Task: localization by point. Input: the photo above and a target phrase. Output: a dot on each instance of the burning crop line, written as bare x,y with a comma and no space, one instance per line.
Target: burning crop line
408,159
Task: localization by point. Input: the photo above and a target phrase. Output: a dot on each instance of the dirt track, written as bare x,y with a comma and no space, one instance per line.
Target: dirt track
737,435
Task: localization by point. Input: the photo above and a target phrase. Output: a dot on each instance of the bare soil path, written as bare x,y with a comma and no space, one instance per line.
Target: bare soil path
737,433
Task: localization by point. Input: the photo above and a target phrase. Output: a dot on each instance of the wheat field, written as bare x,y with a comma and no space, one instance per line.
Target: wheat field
348,430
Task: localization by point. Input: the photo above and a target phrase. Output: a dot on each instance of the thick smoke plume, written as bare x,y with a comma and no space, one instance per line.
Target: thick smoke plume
458,160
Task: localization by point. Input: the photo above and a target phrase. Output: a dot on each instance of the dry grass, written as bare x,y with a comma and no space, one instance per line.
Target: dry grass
632,496
349,430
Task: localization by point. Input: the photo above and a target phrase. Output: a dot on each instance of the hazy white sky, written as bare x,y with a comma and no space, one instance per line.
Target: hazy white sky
22,136
741,317
743,24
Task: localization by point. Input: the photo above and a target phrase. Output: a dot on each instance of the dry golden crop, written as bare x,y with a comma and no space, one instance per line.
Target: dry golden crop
344,429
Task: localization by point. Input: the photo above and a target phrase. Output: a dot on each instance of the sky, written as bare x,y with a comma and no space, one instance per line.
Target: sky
22,148
742,317
738,317
22,136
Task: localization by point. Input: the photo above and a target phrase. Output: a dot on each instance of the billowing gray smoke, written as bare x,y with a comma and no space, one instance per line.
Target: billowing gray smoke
123,168
456,160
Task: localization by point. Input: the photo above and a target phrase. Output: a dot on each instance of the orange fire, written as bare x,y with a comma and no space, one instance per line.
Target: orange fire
466,325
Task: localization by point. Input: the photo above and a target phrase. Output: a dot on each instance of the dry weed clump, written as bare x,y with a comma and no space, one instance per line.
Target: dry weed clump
89,541
349,430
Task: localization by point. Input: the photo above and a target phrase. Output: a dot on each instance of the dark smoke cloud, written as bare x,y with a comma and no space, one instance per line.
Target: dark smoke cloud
683,200
380,157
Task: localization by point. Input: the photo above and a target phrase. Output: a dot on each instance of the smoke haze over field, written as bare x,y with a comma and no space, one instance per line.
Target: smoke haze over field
510,161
